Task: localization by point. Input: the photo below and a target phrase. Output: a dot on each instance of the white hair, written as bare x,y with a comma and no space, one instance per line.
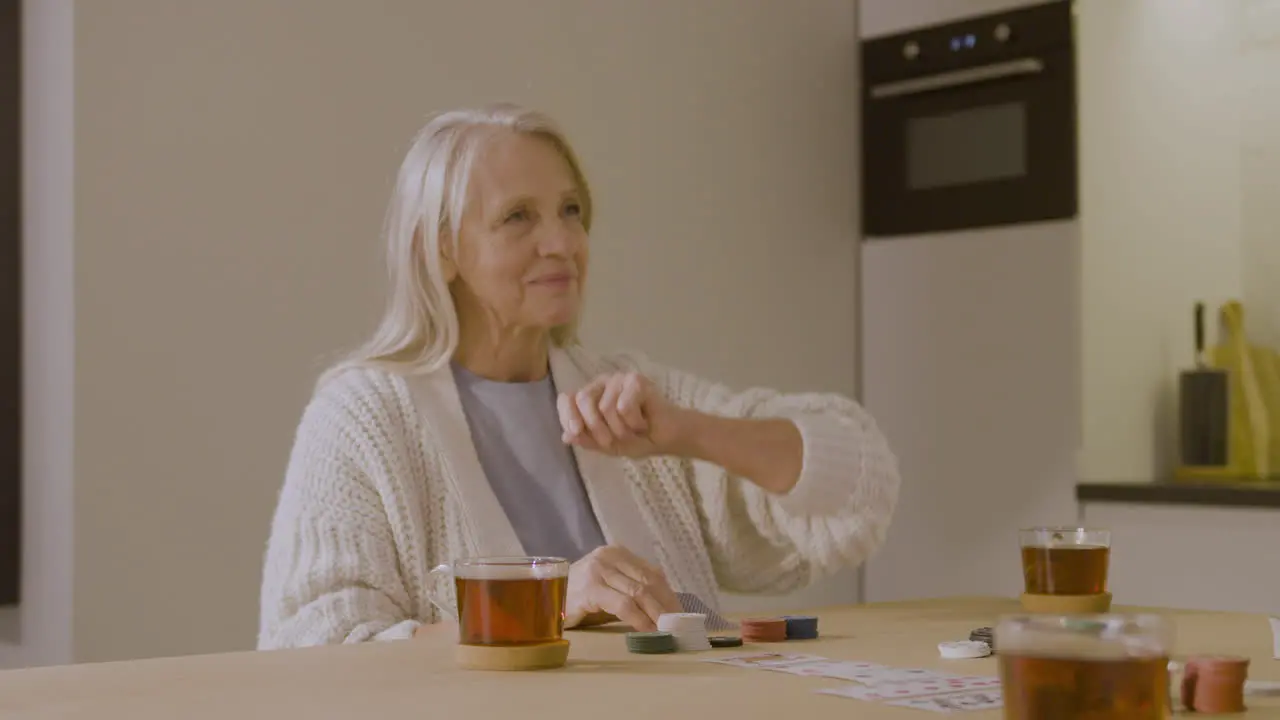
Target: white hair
419,328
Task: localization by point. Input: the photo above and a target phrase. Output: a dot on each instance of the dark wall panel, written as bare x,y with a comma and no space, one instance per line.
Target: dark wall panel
10,299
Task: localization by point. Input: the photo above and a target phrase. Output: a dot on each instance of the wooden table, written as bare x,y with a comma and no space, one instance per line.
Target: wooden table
416,679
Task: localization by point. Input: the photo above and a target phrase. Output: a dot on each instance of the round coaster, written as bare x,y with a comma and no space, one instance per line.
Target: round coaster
1066,604
542,656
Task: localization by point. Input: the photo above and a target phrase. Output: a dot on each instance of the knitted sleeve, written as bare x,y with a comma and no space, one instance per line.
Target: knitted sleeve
330,572
834,518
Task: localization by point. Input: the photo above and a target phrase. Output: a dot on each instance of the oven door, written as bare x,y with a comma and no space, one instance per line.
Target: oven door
983,145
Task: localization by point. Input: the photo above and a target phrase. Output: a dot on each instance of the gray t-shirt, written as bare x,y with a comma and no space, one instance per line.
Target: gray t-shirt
516,431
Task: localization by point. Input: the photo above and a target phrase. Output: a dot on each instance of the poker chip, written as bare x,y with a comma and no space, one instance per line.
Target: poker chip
688,629
1084,625
801,627
1221,663
1214,683
764,629
964,649
725,641
986,635
651,643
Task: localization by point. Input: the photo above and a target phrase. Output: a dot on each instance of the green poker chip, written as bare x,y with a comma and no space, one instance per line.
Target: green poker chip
1084,625
651,643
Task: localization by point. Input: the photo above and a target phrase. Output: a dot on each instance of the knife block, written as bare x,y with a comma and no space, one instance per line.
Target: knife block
1203,421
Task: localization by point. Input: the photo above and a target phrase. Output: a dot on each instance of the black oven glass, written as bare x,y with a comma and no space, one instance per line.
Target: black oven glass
967,146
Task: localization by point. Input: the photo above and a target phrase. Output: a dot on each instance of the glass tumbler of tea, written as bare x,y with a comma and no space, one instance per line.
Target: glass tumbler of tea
1064,569
509,610
1100,667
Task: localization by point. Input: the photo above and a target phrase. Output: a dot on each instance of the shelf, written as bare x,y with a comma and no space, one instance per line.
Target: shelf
1220,494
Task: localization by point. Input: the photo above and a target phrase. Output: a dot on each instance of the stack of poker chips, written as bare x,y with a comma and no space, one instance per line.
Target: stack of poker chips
764,629
801,627
984,634
688,629
1214,683
651,643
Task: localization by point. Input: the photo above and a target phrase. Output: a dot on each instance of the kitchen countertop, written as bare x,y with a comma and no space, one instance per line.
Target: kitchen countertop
1219,494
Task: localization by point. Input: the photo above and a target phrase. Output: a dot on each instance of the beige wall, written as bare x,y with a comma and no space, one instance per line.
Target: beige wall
1260,131
1180,168
231,164
886,17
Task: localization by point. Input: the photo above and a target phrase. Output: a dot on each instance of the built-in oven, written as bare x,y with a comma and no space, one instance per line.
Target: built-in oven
971,123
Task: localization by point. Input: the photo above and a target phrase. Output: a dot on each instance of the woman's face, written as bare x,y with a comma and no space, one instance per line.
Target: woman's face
522,253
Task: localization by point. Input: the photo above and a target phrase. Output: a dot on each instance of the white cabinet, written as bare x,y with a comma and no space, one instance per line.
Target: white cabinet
1205,558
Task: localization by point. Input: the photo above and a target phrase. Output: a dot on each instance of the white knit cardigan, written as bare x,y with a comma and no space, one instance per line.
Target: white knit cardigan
383,484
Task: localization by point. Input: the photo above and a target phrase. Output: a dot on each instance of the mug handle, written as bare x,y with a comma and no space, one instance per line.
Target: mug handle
433,592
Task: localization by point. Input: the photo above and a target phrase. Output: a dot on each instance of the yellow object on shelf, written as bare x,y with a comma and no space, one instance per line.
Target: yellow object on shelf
1253,380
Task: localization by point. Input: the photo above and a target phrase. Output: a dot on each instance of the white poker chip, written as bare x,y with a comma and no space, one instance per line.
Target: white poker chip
688,629
682,622
964,649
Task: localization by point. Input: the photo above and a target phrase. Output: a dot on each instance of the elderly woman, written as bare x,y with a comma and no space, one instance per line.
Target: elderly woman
473,423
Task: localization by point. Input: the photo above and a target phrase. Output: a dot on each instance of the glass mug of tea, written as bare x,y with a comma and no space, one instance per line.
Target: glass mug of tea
1102,667
1065,569
509,610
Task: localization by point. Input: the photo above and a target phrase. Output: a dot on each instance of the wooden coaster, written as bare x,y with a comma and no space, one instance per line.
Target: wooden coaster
513,657
1067,604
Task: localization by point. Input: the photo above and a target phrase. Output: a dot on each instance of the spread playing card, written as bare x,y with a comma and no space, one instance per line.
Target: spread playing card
806,665
914,688
958,702
880,675
838,669
767,660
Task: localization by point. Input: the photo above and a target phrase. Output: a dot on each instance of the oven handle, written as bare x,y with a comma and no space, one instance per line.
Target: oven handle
956,78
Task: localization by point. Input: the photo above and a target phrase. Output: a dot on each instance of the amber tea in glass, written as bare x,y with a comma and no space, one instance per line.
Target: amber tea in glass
508,601
1090,667
1065,561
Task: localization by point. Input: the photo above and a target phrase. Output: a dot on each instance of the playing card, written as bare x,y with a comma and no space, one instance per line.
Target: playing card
880,675
914,688
958,702
838,669
691,603
799,664
767,660
1275,636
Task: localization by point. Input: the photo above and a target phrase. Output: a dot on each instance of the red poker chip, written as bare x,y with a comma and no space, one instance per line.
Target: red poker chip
763,629
1215,683
1219,664
764,623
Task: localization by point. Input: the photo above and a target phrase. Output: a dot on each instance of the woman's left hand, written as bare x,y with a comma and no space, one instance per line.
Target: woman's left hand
619,414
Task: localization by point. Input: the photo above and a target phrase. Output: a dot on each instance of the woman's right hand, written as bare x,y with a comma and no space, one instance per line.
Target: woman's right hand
613,581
